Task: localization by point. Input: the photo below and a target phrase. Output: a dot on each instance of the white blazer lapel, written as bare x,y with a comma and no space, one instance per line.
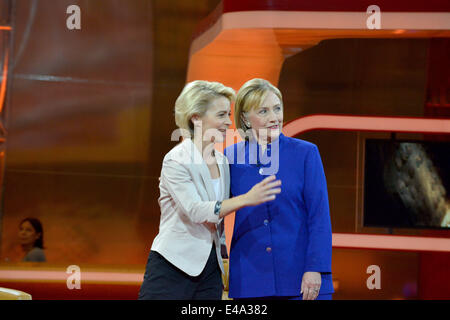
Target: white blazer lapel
224,174
200,164
222,181
226,189
206,176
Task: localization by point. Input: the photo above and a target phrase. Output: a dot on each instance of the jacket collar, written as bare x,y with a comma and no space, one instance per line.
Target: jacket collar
197,159
255,150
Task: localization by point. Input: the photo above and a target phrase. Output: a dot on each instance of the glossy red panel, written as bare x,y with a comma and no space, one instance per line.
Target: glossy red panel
335,5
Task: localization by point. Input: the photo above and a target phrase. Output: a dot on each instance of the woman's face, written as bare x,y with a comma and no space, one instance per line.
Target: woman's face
215,121
266,120
27,234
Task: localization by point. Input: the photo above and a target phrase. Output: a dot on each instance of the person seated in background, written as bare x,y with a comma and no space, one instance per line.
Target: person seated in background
31,237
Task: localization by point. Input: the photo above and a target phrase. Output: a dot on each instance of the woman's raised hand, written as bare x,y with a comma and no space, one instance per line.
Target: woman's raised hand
263,191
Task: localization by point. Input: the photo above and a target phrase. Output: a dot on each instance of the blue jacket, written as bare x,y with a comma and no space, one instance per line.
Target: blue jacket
274,243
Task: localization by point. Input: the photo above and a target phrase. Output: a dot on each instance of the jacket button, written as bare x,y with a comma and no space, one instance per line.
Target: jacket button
269,249
261,171
266,222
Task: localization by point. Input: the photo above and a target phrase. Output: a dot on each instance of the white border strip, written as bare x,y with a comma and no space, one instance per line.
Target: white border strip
62,276
390,242
366,123
322,20
335,20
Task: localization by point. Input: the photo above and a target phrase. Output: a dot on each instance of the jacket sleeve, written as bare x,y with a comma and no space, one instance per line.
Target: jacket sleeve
318,254
181,187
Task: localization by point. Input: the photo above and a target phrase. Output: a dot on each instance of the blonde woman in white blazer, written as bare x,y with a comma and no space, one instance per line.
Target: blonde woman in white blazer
184,260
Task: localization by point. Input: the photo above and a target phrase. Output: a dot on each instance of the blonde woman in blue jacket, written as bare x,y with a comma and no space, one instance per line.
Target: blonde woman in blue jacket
280,249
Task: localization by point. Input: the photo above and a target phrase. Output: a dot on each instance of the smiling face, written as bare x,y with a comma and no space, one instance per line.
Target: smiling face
27,234
266,120
216,120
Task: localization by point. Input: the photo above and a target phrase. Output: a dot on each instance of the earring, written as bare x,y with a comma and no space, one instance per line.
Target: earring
248,125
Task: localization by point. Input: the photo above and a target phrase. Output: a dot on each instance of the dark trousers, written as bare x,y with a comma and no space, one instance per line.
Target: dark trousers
164,281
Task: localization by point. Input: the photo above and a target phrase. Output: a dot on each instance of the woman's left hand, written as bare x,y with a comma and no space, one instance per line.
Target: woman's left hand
311,285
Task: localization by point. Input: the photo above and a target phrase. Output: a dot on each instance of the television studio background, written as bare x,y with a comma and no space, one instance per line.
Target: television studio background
87,116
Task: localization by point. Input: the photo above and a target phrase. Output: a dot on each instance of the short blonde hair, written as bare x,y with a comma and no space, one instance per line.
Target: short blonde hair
195,98
250,96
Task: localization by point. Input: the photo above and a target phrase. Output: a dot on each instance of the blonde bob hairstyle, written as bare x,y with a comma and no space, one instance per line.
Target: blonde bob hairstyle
250,96
195,99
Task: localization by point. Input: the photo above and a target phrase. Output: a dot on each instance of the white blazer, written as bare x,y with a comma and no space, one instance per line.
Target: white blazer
188,225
